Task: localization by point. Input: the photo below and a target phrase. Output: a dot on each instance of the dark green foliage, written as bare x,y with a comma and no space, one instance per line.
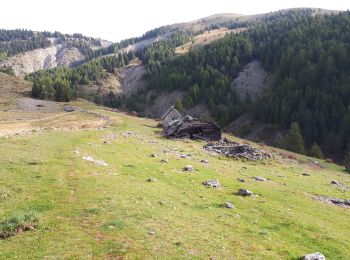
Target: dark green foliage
310,58
347,161
17,41
17,223
7,70
294,140
315,151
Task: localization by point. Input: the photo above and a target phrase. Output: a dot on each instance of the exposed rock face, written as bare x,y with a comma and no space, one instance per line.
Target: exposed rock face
250,81
232,149
46,58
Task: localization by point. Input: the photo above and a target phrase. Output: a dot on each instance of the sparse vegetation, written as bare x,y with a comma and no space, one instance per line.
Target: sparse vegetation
18,223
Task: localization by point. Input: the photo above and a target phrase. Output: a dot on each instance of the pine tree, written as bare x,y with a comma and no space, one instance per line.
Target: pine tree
294,140
315,151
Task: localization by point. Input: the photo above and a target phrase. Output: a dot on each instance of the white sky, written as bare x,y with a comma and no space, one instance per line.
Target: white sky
115,20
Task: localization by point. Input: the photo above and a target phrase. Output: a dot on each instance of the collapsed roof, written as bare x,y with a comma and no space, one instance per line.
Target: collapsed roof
177,126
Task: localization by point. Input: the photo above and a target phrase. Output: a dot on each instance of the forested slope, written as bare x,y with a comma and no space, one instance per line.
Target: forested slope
307,55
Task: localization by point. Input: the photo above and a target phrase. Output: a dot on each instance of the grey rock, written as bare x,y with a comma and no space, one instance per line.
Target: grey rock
188,168
154,155
212,183
347,202
314,256
204,161
69,109
228,205
336,201
245,192
335,182
240,180
259,178
151,179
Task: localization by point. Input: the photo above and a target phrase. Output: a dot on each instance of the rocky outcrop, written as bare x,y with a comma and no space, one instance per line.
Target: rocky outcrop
45,58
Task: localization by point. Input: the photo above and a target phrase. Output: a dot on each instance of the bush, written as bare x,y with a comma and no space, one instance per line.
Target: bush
18,223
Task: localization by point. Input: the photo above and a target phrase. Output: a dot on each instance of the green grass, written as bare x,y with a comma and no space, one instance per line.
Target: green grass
106,212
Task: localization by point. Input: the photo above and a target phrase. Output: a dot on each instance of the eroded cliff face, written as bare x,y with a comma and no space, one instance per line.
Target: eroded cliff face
46,58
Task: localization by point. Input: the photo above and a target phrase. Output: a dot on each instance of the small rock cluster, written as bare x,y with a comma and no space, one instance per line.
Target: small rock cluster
237,150
333,201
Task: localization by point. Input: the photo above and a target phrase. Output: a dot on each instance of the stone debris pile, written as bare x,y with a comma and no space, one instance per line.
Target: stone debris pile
237,150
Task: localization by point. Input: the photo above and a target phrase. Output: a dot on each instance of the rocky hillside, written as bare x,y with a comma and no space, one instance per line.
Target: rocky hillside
59,50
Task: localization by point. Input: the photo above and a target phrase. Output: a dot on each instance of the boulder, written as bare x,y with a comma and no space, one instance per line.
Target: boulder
228,205
335,182
69,109
258,178
212,183
151,179
245,192
314,256
188,168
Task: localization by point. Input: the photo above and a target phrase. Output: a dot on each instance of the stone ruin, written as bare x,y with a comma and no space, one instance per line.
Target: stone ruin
237,150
